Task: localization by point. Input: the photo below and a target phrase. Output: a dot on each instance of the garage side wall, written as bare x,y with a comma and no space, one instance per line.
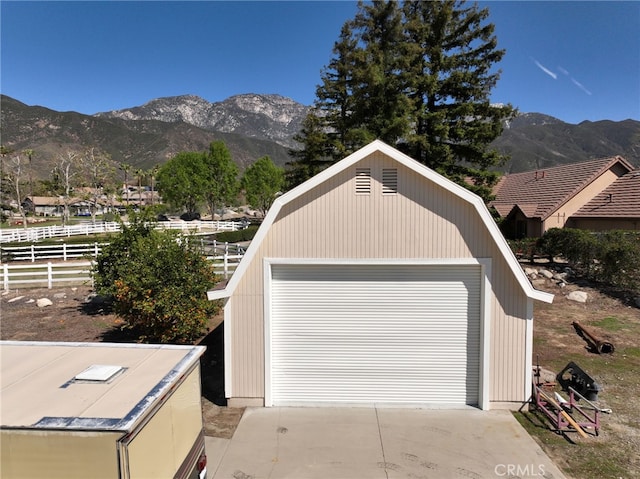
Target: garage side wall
341,219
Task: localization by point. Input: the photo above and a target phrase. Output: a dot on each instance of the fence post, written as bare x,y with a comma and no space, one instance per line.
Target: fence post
5,276
64,251
50,275
95,249
226,265
33,253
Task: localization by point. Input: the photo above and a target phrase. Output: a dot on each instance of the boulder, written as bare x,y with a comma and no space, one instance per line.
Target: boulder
42,302
560,276
578,296
546,273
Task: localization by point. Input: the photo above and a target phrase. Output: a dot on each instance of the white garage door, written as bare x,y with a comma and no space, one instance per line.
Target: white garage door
375,334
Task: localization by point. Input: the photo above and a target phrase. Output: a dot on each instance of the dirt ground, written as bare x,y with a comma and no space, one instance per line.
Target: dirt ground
614,453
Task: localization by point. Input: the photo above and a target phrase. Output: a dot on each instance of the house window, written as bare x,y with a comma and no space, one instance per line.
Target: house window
389,181
363,181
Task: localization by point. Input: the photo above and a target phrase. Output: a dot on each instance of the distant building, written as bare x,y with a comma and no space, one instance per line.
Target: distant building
533,202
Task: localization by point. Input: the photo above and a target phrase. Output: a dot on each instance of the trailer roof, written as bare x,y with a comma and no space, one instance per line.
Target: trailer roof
86,386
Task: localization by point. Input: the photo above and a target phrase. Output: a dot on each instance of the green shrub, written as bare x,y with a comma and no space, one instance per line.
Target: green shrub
246,234
611,257
158,282
525,247
619,259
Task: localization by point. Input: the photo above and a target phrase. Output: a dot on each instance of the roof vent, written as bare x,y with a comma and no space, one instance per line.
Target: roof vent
363,181
99,373
389,181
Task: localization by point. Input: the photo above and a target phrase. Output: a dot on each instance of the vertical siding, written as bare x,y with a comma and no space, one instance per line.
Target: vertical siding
421,221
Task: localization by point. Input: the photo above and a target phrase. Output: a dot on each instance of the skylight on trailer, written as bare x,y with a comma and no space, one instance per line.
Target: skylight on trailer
99,373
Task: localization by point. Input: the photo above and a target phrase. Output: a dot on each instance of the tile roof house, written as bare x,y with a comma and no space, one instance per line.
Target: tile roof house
616,207
533,202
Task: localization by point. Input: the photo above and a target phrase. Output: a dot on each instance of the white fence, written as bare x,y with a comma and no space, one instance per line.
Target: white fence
48,275
66,252
63,252
43,232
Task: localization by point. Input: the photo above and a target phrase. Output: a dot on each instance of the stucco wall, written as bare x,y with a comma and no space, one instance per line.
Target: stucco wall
560,217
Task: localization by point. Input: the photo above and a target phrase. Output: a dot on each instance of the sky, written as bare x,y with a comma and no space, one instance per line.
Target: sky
572,60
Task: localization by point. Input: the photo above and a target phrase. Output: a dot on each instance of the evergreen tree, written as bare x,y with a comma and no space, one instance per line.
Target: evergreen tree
418,76
449,83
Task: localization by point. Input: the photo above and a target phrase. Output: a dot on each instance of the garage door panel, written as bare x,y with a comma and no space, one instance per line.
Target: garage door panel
375,334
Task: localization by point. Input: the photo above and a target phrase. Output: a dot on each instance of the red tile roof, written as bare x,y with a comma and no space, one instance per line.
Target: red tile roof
620,200
548,189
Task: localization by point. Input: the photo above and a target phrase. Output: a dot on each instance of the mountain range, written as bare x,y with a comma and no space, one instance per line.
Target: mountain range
253,126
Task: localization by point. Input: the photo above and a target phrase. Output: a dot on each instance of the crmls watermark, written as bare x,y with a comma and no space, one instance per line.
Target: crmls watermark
519,470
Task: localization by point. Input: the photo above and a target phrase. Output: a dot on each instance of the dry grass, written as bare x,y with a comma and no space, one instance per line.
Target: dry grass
615,452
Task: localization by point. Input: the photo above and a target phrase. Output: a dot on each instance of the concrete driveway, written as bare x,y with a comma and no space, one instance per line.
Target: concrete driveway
346,443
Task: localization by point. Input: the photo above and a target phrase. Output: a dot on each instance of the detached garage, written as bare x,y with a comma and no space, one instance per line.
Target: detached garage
378,283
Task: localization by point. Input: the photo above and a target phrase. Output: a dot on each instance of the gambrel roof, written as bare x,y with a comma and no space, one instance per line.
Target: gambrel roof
540,193
378,146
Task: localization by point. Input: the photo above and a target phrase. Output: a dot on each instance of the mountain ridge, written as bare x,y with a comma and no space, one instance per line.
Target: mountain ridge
273,117
255,125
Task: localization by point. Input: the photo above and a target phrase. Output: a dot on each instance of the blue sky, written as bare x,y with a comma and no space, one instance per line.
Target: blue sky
569,59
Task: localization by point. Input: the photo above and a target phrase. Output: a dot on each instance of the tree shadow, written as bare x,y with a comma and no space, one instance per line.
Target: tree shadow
211,362
212,366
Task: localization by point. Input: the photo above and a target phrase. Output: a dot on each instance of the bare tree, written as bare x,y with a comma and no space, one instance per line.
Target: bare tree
14,178
66,170
98,169
29,152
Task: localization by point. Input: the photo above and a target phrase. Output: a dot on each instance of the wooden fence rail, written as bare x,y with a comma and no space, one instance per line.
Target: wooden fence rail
44,232
66,252
70,273
46,275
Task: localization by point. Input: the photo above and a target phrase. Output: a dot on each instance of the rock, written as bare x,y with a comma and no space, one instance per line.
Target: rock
578,296
546,273
17,298
30,300
59,295
42,302
530,271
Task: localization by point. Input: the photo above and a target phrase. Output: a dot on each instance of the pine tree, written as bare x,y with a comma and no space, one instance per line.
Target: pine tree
417,75
450,82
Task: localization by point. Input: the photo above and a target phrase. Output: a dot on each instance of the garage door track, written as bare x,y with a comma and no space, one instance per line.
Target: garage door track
345,443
